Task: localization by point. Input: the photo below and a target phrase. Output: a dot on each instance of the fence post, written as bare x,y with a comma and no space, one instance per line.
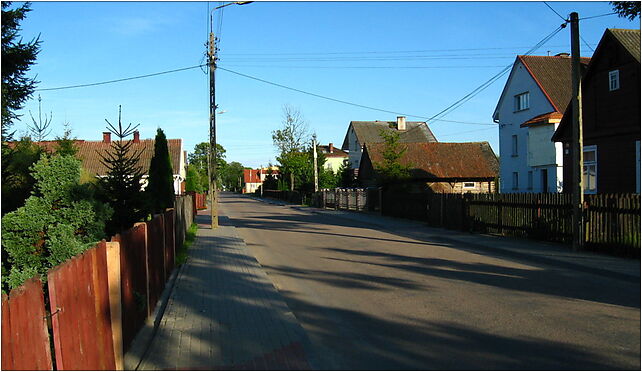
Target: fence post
113,278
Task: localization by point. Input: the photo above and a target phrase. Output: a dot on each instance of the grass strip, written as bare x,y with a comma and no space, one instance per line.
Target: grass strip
190,236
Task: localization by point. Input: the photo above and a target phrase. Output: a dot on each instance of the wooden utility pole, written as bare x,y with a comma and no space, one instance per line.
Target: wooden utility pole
577,153
212,158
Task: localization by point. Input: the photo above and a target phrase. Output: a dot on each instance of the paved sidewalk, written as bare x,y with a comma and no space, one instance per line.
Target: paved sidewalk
536,251
225,314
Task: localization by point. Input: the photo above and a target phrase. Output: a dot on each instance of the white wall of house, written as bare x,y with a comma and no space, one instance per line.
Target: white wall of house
509,120
333,163
544,155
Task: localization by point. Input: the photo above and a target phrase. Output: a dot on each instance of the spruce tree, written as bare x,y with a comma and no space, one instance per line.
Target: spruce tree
121,188
160,184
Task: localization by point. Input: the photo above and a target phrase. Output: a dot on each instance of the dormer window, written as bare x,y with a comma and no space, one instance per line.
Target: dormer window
521,101
614,80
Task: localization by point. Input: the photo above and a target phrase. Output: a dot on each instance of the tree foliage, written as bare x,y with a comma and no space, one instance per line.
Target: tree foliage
626,9
60,220
199,160
194,180
160,184
391,171
121,187
231,175
66,145
294,134
40,128
17,180
17,59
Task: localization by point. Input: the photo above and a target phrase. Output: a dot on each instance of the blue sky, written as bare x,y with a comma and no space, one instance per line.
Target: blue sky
409,57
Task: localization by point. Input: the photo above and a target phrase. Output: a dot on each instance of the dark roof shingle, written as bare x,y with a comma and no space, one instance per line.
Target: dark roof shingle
444,160
553,75
369,132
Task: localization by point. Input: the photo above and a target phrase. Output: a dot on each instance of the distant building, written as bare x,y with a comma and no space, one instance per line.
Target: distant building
361,133
610,117
469,167
89,153
529,110
334,157
253,178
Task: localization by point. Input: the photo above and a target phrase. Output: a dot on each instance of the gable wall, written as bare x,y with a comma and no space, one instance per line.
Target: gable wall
520,81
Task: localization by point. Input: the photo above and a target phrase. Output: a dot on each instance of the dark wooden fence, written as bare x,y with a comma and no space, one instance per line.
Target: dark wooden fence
25,340
86,292
612,221
81,320
133,280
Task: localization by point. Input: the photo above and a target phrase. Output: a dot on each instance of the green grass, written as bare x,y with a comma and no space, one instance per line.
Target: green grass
181,254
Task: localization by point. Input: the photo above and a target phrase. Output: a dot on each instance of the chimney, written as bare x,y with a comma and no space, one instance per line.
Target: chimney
107,137
401,123
331,146
136,136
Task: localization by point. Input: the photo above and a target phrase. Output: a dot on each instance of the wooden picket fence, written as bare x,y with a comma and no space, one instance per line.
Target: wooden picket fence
98,300
612,220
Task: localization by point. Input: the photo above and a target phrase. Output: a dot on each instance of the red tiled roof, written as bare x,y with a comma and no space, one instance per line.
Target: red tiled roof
553,75
444,160
89,153
336,152
547,118
254,175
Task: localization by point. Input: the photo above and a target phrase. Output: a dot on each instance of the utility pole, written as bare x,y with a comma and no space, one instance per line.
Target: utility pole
316,172
213,157
577,153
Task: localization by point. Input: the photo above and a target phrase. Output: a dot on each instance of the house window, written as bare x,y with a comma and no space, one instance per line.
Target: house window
614,80
589,171
530,180
514,143
521,102
515,181
469,185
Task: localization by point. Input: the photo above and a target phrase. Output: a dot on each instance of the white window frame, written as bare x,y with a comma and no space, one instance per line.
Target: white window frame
614,80
587,166
515,148
515,181
522,101
468,185
530,180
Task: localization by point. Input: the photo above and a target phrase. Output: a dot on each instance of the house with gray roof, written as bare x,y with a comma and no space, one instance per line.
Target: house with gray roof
361,133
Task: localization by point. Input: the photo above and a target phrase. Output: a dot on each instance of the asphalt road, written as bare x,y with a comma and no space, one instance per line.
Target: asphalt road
374,300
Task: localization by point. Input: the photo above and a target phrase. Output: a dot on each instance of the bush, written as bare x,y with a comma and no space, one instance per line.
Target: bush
60,220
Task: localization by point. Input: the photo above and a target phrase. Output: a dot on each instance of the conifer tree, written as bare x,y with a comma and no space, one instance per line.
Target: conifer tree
121,188
160,184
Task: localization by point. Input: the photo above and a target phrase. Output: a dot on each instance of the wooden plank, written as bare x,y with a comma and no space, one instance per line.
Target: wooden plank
115,306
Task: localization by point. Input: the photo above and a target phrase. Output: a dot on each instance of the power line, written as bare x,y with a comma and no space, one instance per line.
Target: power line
119,80
368,67
554,11
597,16
490,81
387,52
342,101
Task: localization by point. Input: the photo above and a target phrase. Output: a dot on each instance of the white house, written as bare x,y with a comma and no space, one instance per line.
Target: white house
529,110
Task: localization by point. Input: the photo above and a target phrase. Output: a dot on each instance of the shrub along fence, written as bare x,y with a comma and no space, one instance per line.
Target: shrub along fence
98,300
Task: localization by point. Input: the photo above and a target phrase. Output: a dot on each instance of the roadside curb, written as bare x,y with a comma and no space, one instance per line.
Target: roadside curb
140,345
477,245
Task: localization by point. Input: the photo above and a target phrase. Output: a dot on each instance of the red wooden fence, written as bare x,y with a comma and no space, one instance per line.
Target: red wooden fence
25,340
170,248
79,293
155,260
133,280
